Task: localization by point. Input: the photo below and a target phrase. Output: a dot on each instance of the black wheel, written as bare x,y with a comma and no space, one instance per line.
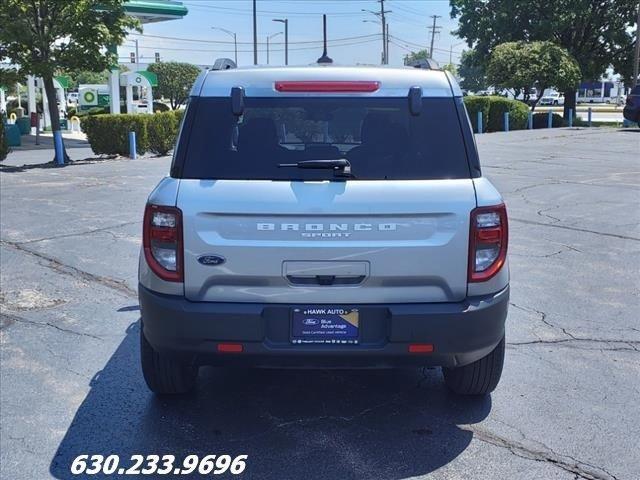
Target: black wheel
165,375
477,378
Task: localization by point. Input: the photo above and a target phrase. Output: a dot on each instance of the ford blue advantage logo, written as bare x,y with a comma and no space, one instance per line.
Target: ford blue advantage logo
310,321
211,260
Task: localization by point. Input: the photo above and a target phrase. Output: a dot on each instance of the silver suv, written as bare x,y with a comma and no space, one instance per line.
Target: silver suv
324,217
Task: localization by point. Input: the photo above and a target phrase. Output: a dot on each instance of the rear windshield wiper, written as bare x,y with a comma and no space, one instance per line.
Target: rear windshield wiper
340,166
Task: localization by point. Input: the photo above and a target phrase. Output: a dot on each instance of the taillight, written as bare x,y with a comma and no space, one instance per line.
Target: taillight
162,242
487,242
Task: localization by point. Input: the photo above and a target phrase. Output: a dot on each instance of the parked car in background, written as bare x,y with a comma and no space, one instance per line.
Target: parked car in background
631,109
553,98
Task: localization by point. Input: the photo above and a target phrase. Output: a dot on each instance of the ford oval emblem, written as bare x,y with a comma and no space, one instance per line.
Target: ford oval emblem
211,260
310,321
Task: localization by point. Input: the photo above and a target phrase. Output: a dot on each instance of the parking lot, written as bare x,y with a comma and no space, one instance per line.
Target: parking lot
567,406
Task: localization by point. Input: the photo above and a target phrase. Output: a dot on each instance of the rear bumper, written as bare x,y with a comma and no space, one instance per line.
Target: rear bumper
461,332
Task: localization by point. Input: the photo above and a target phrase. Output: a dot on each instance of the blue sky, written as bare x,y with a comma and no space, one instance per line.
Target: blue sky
351,40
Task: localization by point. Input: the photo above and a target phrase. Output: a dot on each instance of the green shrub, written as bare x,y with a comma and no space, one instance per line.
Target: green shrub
493,109
109,134
474,105
498,106
4,148
162,130
540,120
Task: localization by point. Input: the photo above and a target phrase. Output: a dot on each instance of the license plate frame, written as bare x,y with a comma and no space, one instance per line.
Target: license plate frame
325,325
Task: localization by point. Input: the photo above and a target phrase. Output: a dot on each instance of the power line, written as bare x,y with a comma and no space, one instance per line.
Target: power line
421,47
159,47
225,42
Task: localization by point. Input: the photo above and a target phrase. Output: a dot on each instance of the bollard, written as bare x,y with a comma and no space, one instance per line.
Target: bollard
479,122
550,119
57,142
530,120
570,117
132,145
589,116
75,122
506,121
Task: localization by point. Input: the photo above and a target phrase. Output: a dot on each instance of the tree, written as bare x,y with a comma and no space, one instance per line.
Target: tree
522,65
85,76
472,72
174,81
451,68
46,36
413,56
597,33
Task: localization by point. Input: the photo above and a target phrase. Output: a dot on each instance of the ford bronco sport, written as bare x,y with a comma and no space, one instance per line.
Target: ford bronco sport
324,217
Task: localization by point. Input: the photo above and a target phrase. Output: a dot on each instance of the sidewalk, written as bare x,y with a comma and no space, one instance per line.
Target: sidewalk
31,154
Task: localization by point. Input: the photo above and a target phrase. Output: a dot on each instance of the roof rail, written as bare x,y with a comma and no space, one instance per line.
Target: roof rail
224,64
426,63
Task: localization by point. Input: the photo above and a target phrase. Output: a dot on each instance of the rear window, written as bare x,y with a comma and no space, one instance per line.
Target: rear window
378,136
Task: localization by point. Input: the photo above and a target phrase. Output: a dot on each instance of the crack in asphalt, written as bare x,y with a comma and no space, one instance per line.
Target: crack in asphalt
78,234
9,319
57,265
631,345
568,463
576,229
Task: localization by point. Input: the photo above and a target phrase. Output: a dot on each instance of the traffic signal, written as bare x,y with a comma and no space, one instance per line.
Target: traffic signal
132,56
157,57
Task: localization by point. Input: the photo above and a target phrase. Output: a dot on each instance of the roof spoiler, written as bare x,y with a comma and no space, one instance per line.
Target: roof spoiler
425,63
223,64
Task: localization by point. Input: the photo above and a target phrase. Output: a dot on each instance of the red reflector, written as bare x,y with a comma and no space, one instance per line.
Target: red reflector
420,348
491,235
166,235
230,347
315,86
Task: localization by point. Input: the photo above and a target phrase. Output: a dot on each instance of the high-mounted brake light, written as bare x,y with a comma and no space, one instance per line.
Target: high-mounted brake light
162,242
488,240
327,86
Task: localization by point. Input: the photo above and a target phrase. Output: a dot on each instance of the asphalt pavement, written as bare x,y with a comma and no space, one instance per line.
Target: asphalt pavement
567,406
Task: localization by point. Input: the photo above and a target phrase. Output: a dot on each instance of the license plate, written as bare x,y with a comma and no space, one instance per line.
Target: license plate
325,325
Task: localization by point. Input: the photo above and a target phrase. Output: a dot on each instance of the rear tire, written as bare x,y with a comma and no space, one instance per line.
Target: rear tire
477,378
166,375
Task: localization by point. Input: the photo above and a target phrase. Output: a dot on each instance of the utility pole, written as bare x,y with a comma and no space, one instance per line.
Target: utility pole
636,64
385,45
434,29
286,37
137,55
383,22
255,35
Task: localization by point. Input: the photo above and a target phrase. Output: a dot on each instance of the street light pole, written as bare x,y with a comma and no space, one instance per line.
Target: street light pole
269,37
286,37
235,41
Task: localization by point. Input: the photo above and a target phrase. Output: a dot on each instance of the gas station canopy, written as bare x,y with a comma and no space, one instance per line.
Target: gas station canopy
151,11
